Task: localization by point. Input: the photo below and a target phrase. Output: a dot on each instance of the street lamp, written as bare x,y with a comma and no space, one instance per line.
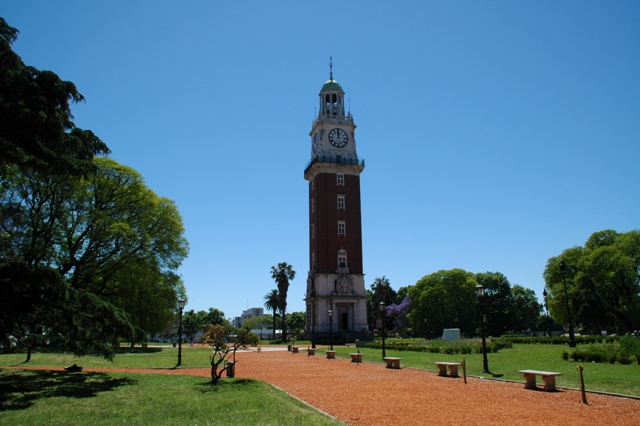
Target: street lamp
181,303
384,320
330,313
563,271
546,308
480,294
313,318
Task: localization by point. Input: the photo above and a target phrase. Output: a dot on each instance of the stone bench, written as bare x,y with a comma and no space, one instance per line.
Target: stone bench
453,368
392,362
548,377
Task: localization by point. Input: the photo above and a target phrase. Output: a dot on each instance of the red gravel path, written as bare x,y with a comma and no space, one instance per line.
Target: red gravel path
370,394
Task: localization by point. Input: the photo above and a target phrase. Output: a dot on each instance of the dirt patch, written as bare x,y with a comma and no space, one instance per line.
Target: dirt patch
370,394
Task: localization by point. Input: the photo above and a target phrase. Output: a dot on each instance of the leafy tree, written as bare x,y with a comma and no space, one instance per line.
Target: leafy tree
282,274
225,344
397,314
262,321
602,280
114,243
192,321
296,322
383,291
524,308
446,299
271,302
36,125
497,303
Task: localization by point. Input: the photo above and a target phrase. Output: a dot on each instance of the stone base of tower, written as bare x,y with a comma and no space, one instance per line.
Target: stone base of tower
343,295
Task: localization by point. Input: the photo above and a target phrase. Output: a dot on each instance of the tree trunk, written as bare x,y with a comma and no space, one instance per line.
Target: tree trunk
284,327
273,337
28,354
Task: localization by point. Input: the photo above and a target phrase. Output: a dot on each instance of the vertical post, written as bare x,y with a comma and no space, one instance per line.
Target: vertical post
313,318
546,308
330,313
580,375
383,316
563,271
181,303
480,294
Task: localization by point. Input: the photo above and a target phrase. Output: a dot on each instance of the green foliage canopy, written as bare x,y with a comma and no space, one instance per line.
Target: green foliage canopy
114,243
602,280
36,125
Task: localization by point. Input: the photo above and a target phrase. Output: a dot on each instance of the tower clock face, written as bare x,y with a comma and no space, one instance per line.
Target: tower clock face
314,145
338,138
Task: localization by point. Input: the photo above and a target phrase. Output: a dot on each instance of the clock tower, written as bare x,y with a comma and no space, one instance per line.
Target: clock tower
336,278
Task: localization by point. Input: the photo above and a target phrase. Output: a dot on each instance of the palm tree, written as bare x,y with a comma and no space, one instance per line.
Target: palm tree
271,301
282,274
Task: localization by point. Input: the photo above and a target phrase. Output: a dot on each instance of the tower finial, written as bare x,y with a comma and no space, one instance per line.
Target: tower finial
331,68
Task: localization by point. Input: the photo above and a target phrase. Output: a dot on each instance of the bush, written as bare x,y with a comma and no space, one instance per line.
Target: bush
623,350
439,346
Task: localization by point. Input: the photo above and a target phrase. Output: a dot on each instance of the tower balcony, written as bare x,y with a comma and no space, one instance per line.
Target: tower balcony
334,159
324,117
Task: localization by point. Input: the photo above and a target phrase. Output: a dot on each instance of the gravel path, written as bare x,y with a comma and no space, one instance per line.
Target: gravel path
370,394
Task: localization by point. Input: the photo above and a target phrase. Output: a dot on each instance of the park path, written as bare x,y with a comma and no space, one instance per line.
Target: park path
372,395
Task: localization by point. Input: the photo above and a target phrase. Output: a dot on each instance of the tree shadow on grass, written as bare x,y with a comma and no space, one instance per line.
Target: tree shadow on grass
226,384
137,350
21,389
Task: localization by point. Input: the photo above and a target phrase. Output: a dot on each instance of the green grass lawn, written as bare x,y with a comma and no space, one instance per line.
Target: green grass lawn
45,397
615,378
58,398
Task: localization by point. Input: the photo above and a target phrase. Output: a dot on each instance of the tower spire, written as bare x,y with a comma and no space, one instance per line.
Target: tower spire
330,68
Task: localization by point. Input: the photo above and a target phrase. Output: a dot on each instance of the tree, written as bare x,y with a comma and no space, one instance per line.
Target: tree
397,314
282,274
271,302
296,322
36,125
524,308
602,280
262,321
114,243
445,299
192,321
383,291
497,303
224,346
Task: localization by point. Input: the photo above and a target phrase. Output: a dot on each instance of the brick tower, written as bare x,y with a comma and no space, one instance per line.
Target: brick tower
336,277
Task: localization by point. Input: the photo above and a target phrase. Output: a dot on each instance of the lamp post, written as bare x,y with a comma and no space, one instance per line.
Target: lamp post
330,313
426,332
563,271
384,320
546,308
313,318
480,294
181,303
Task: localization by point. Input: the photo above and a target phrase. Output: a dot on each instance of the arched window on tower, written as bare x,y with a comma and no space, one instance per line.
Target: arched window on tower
343,267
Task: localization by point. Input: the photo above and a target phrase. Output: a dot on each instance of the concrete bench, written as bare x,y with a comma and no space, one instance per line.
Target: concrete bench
548,377
392,362
453,368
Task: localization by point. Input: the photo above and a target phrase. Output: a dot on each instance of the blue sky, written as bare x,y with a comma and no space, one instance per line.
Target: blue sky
496,134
